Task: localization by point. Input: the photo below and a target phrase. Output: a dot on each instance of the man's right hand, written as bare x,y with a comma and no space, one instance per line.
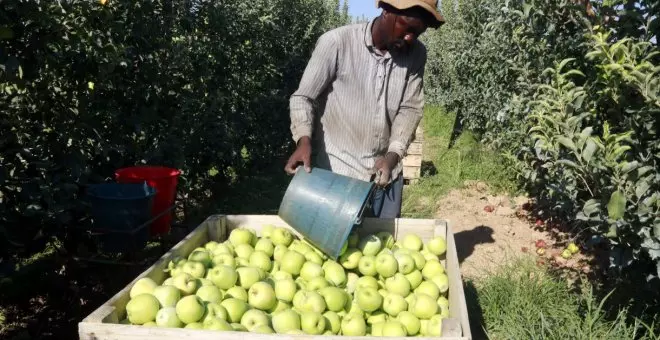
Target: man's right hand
303,154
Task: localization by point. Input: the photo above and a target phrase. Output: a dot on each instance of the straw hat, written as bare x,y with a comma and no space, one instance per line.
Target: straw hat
430,6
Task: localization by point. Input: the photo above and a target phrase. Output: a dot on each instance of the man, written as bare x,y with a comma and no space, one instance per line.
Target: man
361,98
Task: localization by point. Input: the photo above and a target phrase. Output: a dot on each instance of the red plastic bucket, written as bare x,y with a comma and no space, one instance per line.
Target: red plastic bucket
164,180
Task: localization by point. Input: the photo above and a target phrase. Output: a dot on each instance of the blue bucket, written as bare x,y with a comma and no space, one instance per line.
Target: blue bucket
324,207
117,207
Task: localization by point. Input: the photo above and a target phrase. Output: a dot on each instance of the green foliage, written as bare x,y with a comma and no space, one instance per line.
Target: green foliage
88,88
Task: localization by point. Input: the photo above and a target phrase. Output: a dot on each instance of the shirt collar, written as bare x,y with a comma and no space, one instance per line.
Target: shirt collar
369,40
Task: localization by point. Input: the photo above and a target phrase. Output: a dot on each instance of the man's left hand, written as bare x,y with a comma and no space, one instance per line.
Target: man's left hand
383,168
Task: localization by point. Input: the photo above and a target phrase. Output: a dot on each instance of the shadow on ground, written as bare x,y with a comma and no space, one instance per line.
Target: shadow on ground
475,312
467,240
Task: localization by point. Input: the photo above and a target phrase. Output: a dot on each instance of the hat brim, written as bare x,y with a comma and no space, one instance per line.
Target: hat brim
406,4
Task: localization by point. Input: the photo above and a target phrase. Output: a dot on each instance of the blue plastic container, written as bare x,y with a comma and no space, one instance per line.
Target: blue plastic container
324,207
121,207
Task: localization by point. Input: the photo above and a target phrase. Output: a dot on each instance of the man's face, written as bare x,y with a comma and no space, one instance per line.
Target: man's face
404,31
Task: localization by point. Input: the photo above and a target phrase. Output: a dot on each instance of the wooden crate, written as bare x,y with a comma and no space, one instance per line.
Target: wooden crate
412,163
103,323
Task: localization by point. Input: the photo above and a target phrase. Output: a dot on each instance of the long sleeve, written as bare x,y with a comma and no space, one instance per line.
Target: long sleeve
319,73
410,113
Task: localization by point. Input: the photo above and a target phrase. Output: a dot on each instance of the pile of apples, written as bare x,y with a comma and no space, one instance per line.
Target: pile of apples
279,283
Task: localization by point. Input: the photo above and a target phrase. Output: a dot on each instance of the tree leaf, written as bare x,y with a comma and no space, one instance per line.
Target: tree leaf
589,150
566,142
641,188
616,207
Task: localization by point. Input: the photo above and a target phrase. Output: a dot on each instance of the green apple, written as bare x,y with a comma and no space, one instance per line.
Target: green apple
301,283
210,245
429,256
194,325
444,311
279,275
243,251
166,317
265,245
351,282
334,273
144,285
312,323
423,306
351,258
353,325
215,310
190,309
410,322
368,299
412,242
261,260
262,296
434,327
240,236
286,321
216,324
235,309
314,258
278,253
386,239
351,307
142,309
353,239
267,230
370,245
202,256
423,327
237,292
241,262
292,262
279,306
281,236
311,270
429,288
393,304
332,322
262,329
285,289
308,301
443,302
437,245
209,294
410,298
383,292
247,276
377,329
205,282
224,277
317,283
398,284
394,328
377,317
168,282
335,298
224,259
195,269
367,265
415,278
386,265
406,263
442,281
419,259
301,247
343,249
254,318
222,249
167,295
186,283
432,269
237,327
367,282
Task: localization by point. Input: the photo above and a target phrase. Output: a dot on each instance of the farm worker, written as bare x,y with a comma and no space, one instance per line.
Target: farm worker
361,99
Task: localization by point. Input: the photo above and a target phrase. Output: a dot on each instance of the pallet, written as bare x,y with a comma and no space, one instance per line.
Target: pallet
412,163
103,323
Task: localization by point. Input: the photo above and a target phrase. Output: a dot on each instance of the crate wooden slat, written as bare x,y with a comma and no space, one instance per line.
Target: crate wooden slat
103,323
412,162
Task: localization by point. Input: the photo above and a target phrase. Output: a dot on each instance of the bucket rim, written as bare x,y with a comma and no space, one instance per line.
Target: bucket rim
167,172
151,191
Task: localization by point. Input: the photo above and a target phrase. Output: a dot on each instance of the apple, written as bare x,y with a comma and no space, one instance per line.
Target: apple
285,289
261,260
386,239
415,278
308,301
301,283
167,295
317,283
423,306
383,292
351,258
412,242
410,298
573,248
243,251
281,236
286,321
144,285
194,325
224,259
444,311
429,288
186,283
429,256
434,327
235,309
368,299
263,329
393,304
190,309
292,262
265,245
301,247
394,328
202,256
406,263
419,259
142,309
168,282
431,269
410,322
217,324
398,284
278,253
351,307
312,323
247,276
195,269
240,236
335,298
377,329
215,310
423,327
386,265
280,306
241,262
222,249
353,325
367,265
210,245
437,245
443,302
267,231
205,282
166,317
237,327
237,292
343,249
377,317
370,245
262,296
332,322
353,239
314,258
254,318
351,282
367,282
209,294
224,277
334,273
311,270
442,281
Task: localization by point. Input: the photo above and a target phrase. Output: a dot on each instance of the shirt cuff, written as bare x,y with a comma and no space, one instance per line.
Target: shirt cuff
300,131
398,148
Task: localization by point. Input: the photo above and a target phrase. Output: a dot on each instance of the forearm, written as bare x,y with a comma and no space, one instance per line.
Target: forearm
403,129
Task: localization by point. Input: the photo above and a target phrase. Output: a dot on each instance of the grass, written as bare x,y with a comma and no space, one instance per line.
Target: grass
446,168
521,300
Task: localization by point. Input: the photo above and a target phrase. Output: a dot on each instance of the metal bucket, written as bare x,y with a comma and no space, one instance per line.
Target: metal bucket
324,207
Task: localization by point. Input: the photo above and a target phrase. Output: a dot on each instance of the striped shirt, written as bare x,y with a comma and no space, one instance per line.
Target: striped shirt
357,103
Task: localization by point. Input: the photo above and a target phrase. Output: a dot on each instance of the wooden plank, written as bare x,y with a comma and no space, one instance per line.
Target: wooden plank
412,172
412,160
456,296
415,148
